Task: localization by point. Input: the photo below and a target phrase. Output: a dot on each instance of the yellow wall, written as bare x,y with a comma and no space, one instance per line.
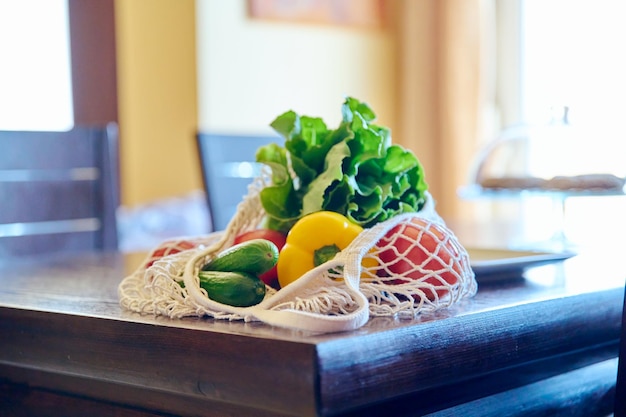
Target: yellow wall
185,65
156,49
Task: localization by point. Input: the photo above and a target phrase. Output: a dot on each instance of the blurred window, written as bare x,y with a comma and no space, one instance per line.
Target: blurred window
35,75
570,53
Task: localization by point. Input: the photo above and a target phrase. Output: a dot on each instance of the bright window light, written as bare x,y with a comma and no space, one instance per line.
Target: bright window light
572,55
35,70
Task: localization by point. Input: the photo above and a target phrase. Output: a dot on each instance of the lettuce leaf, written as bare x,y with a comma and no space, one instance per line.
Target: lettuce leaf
354,170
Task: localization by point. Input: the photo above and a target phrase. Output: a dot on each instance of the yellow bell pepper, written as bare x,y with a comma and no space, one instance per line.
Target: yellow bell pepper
313,240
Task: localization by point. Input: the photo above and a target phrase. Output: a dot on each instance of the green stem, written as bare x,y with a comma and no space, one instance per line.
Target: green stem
324,254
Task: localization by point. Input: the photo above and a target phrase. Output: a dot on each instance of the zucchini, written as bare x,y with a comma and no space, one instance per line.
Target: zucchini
237,289
255,256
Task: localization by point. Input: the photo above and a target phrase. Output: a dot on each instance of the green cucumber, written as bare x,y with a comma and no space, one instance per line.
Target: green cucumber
237,289
255,256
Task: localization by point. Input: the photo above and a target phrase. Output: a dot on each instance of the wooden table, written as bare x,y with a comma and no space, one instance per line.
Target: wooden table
67,348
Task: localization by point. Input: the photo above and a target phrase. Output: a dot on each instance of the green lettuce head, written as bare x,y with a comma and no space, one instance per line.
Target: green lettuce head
354,170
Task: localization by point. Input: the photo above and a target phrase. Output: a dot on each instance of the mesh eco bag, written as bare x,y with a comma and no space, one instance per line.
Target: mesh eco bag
338,295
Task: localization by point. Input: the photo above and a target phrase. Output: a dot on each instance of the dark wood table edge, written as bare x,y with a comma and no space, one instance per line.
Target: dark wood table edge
98,365
586,339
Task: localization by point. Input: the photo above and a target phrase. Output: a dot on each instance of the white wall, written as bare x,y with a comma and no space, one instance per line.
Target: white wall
250,71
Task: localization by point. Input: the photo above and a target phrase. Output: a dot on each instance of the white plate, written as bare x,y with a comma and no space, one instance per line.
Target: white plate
486,261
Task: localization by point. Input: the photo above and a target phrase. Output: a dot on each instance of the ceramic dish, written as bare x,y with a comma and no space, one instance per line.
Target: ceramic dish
487,262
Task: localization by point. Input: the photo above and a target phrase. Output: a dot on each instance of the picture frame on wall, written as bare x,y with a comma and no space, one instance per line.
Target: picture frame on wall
350,13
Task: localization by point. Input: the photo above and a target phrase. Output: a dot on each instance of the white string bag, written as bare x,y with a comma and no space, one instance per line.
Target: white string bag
338,295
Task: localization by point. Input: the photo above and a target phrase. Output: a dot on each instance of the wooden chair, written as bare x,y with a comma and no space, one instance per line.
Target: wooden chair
620,388
59,191
228,164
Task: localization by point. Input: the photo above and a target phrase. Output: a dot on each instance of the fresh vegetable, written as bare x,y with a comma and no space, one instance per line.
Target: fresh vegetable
353,170
255,256
270,277
313,240
238,289
169,248
422,243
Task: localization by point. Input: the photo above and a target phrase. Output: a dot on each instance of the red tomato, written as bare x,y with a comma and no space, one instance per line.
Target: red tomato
271,276
427,245
169,248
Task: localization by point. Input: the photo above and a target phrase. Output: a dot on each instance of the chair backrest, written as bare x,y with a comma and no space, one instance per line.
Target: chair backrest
228,165
59,191
620,388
